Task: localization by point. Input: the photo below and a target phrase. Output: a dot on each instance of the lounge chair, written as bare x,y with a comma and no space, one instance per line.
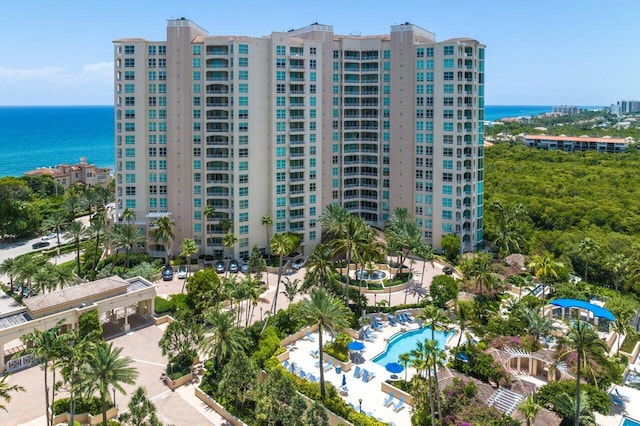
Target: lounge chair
399,406
370,375
389,401
407,317
314,353
285,364
621,396
328,366
617,401
376,326
357,373
309,337
301,374
312,378
369,337
400,319
391,320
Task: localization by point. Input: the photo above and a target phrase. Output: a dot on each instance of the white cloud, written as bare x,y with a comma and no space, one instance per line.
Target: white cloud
101,69
30,73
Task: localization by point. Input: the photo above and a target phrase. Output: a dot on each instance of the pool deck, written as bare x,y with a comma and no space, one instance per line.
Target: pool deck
631,409
370,393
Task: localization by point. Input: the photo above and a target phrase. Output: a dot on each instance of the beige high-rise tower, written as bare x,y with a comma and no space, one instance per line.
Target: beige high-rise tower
218,132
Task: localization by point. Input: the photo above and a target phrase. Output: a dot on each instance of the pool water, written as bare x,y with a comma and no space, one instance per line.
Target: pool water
405,342
629,422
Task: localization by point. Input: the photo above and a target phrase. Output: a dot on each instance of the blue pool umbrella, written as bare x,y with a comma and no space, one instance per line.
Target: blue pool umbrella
356,346
394,367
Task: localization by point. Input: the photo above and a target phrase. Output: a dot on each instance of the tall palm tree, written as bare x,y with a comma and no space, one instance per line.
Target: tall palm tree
332,219
229,240
106,368
545,267
583,339
436,318
6,389
97,229
128,215
530,409
354,234
189,248
427,254
588,248
578,410
622,325
520,281
164,231
77,231
27,267
464,314
267,222
56,222
329,313
46,345
71,361
224,339
482,272
320,267
617,263
125,236
281,245
72,204
421,360
403,234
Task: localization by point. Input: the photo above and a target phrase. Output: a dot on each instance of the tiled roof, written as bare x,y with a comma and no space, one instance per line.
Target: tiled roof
574,139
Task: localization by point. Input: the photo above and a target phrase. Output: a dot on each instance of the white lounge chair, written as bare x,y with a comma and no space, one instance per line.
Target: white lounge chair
309,337
314,353
328,365
389,401
357,373
399,406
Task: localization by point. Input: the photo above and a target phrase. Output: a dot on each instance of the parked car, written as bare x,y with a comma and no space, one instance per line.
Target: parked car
244,267
51,236
299,263
234,266
182,272
220,266
448,270
167,274
40,244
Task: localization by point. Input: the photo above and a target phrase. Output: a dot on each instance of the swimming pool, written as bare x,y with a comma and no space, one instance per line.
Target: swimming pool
405,342
626,421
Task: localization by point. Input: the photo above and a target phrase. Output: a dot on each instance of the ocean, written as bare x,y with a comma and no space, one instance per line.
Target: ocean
32,137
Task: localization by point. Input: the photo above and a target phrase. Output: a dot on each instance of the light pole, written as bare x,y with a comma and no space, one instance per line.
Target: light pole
360,401
114,396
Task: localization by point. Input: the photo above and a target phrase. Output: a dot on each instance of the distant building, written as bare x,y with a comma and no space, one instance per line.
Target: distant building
566,109
68,175
626,107
575,143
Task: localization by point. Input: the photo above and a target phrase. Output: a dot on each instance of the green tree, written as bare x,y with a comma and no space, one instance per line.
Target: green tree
77,231
402,234
97,229
353,234
451,245
281,245
530,409
204,291
436,318
545,267
106,368
320,267
464,315
584,341
427,254
180,341
189,248
329,314
291,289
57,222
224,338
588,248
89,326
617,263
256,264
163,230
238,380
72,360
229,240
6,389
576,409
538,326
8,268
142,412
443,289
267,222
278,402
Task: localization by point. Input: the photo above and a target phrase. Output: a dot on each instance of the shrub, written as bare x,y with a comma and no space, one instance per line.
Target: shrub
599,400
91,405
268,344
338,348
163,306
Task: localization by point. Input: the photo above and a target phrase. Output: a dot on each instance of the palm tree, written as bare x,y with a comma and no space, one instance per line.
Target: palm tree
128,237
622,325
583,339
520,281
404,361
482,272
106,368
545,267
421,360
189,248
588,247
332,219
436,318
320,267
403,234
96,230
329,313
537,325
72,204
6,389
617,263
164,231
229,240
427,254
530,409
354,234
290,289
578,410
72,358
56,222
225,338
281,245
45,348
267,222
27,267
8,268
464,313
77,231
128,215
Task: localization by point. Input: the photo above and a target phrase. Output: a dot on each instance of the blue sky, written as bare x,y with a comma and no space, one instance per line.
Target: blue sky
539,52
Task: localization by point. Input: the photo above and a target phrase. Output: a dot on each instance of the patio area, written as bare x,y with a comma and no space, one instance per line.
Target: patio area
362,385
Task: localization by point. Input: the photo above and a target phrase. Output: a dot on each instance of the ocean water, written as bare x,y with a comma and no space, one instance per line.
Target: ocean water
32,137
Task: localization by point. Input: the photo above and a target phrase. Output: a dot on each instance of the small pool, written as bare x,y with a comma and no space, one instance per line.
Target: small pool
405,342
626,421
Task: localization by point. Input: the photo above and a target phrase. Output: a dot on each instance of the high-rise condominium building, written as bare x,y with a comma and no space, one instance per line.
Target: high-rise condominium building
218,132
